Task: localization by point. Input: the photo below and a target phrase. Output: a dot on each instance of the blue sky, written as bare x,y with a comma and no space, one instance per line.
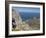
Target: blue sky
27,10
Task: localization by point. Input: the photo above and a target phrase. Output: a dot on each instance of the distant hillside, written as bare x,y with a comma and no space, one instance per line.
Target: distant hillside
26,16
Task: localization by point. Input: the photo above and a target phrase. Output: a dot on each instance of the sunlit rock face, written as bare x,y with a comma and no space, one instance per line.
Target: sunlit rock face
17,18
20,25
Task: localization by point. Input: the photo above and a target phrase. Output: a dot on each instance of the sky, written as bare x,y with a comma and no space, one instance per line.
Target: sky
27,9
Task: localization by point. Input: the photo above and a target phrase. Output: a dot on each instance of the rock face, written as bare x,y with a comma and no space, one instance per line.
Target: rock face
20,25
17,18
